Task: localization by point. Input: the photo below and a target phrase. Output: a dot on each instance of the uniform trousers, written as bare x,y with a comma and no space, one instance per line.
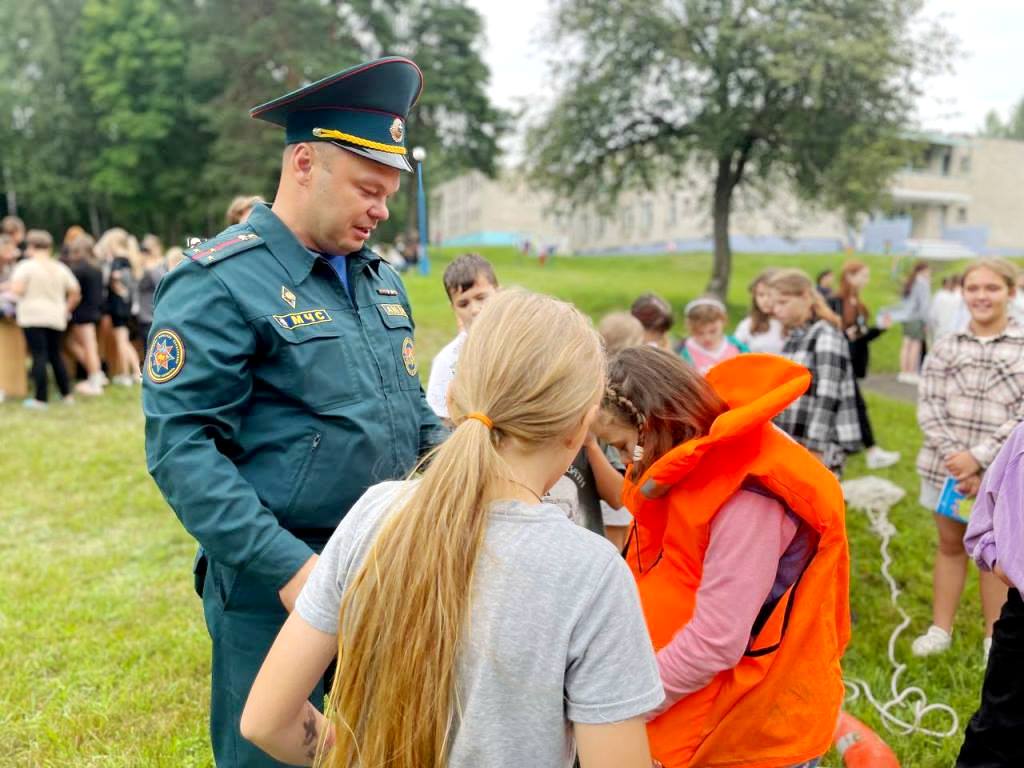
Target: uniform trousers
995,735
243,616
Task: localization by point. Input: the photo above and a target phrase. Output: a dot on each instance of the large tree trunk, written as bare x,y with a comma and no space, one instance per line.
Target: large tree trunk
721,270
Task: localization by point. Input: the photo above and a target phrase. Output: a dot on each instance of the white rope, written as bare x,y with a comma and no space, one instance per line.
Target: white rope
876,497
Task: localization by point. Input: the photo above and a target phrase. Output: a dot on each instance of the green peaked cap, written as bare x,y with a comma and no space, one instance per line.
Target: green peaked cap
362,109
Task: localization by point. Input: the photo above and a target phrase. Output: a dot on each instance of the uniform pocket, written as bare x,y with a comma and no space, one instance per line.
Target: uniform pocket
310,361
301,476
395,318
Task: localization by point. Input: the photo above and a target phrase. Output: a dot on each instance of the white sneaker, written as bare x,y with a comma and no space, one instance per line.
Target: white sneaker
88,388
34,405
909,378
124,381
986,648
935,640
879,458
99,379
68,399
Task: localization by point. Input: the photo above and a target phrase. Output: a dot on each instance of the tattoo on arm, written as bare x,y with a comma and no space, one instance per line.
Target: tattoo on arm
311,738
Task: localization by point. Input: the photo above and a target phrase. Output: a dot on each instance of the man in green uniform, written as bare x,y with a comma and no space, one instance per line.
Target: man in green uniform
281,380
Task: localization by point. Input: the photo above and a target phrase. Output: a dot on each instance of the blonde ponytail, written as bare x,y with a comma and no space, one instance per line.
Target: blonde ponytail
532,367
796,282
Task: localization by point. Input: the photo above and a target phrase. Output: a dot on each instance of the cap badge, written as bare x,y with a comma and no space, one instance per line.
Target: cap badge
398,130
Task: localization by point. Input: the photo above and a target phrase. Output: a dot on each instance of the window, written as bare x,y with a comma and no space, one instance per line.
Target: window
646,216
961,214
965,165
947,161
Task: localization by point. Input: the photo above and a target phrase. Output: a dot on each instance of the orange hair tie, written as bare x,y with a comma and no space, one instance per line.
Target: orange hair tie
482,418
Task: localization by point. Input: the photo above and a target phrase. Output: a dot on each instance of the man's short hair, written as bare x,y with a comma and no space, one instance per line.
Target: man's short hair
465,270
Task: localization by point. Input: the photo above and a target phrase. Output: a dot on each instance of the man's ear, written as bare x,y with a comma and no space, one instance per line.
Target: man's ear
300,162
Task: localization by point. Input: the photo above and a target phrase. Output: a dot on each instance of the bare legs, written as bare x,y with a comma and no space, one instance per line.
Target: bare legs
126,354
85,348
910,356
950,575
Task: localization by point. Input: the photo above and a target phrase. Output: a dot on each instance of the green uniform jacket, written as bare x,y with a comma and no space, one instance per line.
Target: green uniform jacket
273,400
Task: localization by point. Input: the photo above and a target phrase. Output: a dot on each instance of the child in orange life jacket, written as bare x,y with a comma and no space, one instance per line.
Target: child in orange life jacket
707,345
740,555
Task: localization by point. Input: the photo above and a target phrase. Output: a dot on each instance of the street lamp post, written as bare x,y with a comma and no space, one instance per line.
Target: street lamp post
419,154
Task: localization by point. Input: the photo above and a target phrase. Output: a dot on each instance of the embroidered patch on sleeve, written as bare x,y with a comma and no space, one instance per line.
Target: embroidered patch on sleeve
409,356
166,356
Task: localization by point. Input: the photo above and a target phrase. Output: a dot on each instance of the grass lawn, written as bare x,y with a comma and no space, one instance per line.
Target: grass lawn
103,650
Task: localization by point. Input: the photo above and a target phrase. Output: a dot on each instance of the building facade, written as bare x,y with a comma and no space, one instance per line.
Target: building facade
960,198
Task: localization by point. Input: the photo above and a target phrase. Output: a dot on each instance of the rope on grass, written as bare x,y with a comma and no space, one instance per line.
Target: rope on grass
876,496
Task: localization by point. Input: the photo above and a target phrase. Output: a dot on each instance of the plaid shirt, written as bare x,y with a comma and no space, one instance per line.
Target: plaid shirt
971,398
825,419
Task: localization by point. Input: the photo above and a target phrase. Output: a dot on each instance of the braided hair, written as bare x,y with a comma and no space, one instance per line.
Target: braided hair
663,397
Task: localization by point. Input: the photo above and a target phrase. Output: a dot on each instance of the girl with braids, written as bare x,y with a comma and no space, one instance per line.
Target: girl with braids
825,420
473,624
730,517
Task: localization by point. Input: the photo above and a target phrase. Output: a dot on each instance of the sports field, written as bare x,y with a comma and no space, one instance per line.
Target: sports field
103,651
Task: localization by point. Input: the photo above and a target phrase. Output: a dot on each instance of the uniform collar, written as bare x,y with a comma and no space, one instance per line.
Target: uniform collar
297,260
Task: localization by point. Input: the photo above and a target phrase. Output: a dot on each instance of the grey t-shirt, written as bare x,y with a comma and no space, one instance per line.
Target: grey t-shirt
556,632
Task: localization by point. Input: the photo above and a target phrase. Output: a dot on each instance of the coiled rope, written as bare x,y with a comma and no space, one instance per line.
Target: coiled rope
876,496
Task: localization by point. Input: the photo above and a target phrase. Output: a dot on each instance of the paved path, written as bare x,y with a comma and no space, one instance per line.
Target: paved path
886,384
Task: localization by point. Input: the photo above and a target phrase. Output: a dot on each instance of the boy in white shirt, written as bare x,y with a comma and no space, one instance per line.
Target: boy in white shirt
469,282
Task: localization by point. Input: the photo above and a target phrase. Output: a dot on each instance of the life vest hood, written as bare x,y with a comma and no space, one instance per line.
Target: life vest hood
756,388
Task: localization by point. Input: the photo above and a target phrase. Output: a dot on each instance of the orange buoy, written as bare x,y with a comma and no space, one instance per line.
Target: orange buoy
860,747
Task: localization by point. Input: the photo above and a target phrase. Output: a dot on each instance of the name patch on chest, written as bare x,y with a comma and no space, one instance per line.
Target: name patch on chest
395,310
296,319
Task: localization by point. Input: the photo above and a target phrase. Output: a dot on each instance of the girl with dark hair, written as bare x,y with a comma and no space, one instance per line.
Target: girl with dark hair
856,324
655,315
761,331
730,515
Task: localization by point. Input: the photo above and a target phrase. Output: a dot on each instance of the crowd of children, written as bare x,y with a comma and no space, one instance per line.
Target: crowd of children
85,305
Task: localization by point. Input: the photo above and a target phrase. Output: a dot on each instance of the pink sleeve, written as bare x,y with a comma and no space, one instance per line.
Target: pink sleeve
748,537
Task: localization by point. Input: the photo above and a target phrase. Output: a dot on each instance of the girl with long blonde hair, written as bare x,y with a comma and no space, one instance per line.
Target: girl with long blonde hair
121,262
825,419
473,625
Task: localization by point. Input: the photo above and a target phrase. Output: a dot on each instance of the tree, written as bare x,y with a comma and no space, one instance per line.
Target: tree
1013,128
455,120
758,91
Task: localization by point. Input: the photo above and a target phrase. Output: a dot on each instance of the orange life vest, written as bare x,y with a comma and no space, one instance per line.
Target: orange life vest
778,706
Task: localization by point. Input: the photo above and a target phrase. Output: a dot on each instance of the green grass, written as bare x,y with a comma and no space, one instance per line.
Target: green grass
103,650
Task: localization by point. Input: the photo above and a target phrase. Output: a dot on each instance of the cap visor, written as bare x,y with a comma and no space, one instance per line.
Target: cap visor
390,159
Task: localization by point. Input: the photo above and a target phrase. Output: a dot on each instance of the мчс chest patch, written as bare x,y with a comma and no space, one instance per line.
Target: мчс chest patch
394,310
297,319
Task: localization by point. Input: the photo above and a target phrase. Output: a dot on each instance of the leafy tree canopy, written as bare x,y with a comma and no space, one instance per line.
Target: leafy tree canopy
135,112
814,94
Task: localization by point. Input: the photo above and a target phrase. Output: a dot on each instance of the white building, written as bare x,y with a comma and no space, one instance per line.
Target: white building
962,198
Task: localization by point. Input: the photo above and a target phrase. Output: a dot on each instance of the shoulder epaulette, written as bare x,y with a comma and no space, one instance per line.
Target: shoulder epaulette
221,247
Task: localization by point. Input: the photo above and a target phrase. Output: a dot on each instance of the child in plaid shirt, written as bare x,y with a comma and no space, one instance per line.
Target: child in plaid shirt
825,419
971,399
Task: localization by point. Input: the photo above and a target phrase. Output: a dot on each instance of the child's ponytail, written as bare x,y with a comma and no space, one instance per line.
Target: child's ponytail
405,612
